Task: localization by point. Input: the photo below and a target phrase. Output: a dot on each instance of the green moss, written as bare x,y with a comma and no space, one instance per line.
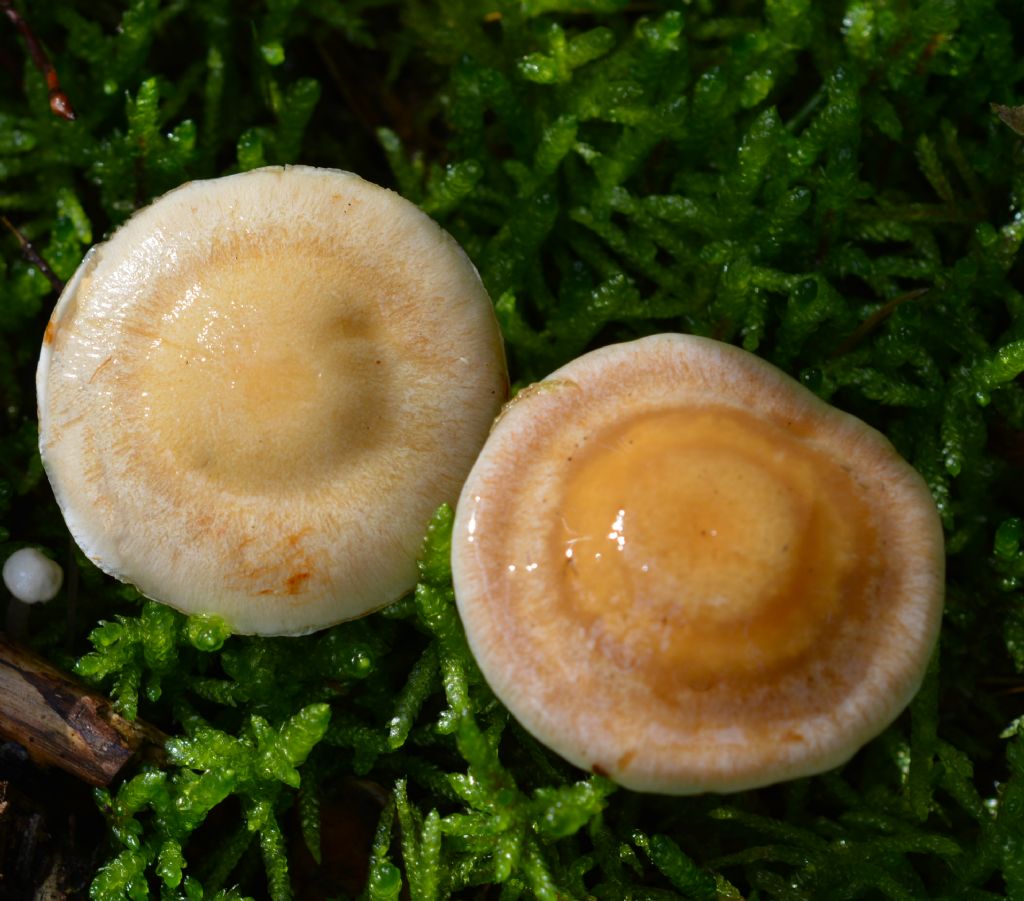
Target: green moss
826,184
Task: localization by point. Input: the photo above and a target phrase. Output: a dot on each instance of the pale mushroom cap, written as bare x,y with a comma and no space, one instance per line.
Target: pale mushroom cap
254,395
678,567
32,577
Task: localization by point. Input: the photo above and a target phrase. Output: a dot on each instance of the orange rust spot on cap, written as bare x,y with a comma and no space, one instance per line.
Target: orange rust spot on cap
626,759
202,522
599,770
296,537
294,583
51,330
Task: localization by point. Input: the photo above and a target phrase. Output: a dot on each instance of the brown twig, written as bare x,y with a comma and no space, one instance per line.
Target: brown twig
873,321
32,255
1004,685
59,102
62,723
365,108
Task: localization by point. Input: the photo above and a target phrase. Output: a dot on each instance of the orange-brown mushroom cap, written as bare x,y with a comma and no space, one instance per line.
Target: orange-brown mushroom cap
679,567
254,395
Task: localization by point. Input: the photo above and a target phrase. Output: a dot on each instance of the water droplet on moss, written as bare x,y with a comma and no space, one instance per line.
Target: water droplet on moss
207,633
385,881
359,664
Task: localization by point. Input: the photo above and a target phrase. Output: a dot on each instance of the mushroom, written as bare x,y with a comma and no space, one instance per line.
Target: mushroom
255,393
678,567
32,578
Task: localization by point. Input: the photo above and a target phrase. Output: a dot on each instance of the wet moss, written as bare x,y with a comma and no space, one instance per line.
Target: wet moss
826,184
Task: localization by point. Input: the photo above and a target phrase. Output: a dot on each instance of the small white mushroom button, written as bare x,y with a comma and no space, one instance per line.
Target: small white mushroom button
32,577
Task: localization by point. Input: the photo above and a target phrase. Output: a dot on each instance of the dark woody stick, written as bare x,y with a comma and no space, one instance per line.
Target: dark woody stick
32,255
62,723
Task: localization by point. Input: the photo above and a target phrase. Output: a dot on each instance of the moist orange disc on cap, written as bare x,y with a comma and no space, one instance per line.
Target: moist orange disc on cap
679,567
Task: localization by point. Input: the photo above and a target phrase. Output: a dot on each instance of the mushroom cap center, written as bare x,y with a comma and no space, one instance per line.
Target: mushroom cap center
708,544
254,393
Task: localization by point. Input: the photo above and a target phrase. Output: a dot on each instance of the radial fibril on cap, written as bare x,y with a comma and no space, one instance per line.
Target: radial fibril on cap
679,567
253,396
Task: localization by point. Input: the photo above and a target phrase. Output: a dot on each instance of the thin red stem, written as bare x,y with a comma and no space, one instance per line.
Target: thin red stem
59,102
